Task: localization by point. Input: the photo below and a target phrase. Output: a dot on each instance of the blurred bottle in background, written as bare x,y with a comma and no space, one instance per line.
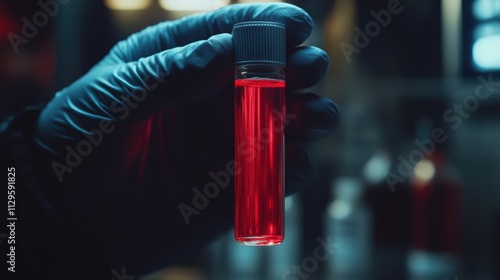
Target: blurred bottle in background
435,216
348,224
390,212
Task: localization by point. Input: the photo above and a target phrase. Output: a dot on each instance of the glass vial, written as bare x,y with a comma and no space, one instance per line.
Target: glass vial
348,223
259,49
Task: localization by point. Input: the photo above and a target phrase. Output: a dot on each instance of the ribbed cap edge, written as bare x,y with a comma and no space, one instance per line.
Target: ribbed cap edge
259,42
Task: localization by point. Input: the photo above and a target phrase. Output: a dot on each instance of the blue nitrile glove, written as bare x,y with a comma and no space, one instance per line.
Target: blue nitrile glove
129,147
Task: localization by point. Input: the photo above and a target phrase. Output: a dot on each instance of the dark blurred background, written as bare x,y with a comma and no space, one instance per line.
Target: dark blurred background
408,187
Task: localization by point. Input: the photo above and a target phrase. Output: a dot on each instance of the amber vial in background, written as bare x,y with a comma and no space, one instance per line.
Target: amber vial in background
259,132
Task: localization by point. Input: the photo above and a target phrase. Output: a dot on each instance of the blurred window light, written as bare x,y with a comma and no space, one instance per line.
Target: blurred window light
486,53
340,209
127,4
486,9
377,168
424,170
192,5
486,46
252,1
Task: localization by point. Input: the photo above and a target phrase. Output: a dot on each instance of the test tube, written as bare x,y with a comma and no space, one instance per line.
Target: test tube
260,57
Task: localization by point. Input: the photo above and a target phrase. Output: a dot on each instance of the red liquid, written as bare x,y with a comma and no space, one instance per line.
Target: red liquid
259,153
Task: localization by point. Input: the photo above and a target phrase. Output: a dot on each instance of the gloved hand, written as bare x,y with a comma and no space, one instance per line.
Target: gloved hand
146,128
